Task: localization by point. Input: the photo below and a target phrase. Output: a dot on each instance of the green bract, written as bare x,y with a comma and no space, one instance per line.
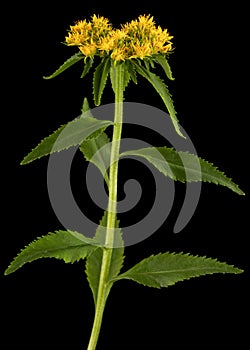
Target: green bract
104,261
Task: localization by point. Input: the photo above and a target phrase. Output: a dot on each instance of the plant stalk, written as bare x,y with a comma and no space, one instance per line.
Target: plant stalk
104,285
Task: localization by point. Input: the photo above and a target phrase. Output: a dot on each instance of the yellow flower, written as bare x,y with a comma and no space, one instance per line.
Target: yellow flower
88,35
139,38
101,24
141,51
118,54
88,50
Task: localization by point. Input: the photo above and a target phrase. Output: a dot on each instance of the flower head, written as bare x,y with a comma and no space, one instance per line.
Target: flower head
139,38
88,34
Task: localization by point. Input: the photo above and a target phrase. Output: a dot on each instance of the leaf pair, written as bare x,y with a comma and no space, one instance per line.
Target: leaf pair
131,68
157,271
71,247
179,166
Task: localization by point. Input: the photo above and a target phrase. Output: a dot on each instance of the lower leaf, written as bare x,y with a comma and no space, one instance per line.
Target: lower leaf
94,260
166,269
63,245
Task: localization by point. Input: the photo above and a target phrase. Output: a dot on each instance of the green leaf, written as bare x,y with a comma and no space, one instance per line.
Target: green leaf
95,143
96,151
100,79
94,260
162,60
148,62
131,71
126,76
74,134
162,90
184,166
88,64
166,269
70,62
60,245
93,271
86,112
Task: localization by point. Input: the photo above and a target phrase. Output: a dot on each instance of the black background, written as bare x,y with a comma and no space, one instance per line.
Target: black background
48,303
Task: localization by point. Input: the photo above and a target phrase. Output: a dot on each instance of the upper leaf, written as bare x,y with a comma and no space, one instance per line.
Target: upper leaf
125,78
162,90
162,60
88,64
97,151
184,166
94,261
66,136
166,269
86,112
72,60
63,245
93,148
100,79
131,70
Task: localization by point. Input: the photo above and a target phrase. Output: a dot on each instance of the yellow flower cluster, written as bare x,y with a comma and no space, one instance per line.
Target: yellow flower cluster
139,38
89,35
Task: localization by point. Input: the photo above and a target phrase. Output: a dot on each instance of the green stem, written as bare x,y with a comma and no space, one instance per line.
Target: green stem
104,285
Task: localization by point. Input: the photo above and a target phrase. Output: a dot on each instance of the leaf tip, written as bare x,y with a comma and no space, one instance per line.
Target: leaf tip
9,269
177,129
240,192
238,270
23,162
26,160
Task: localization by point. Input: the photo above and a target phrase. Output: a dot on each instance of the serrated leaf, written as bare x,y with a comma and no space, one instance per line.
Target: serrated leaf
162,90
93,271
63,245
125,78
94,260
66,136
184,166
162,60
166,269
88,64
131,71
148,62
86,112
70,62
96,151
94,144
100,79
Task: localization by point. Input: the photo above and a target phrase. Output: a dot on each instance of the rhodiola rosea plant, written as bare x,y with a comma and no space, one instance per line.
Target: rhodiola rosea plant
122,55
